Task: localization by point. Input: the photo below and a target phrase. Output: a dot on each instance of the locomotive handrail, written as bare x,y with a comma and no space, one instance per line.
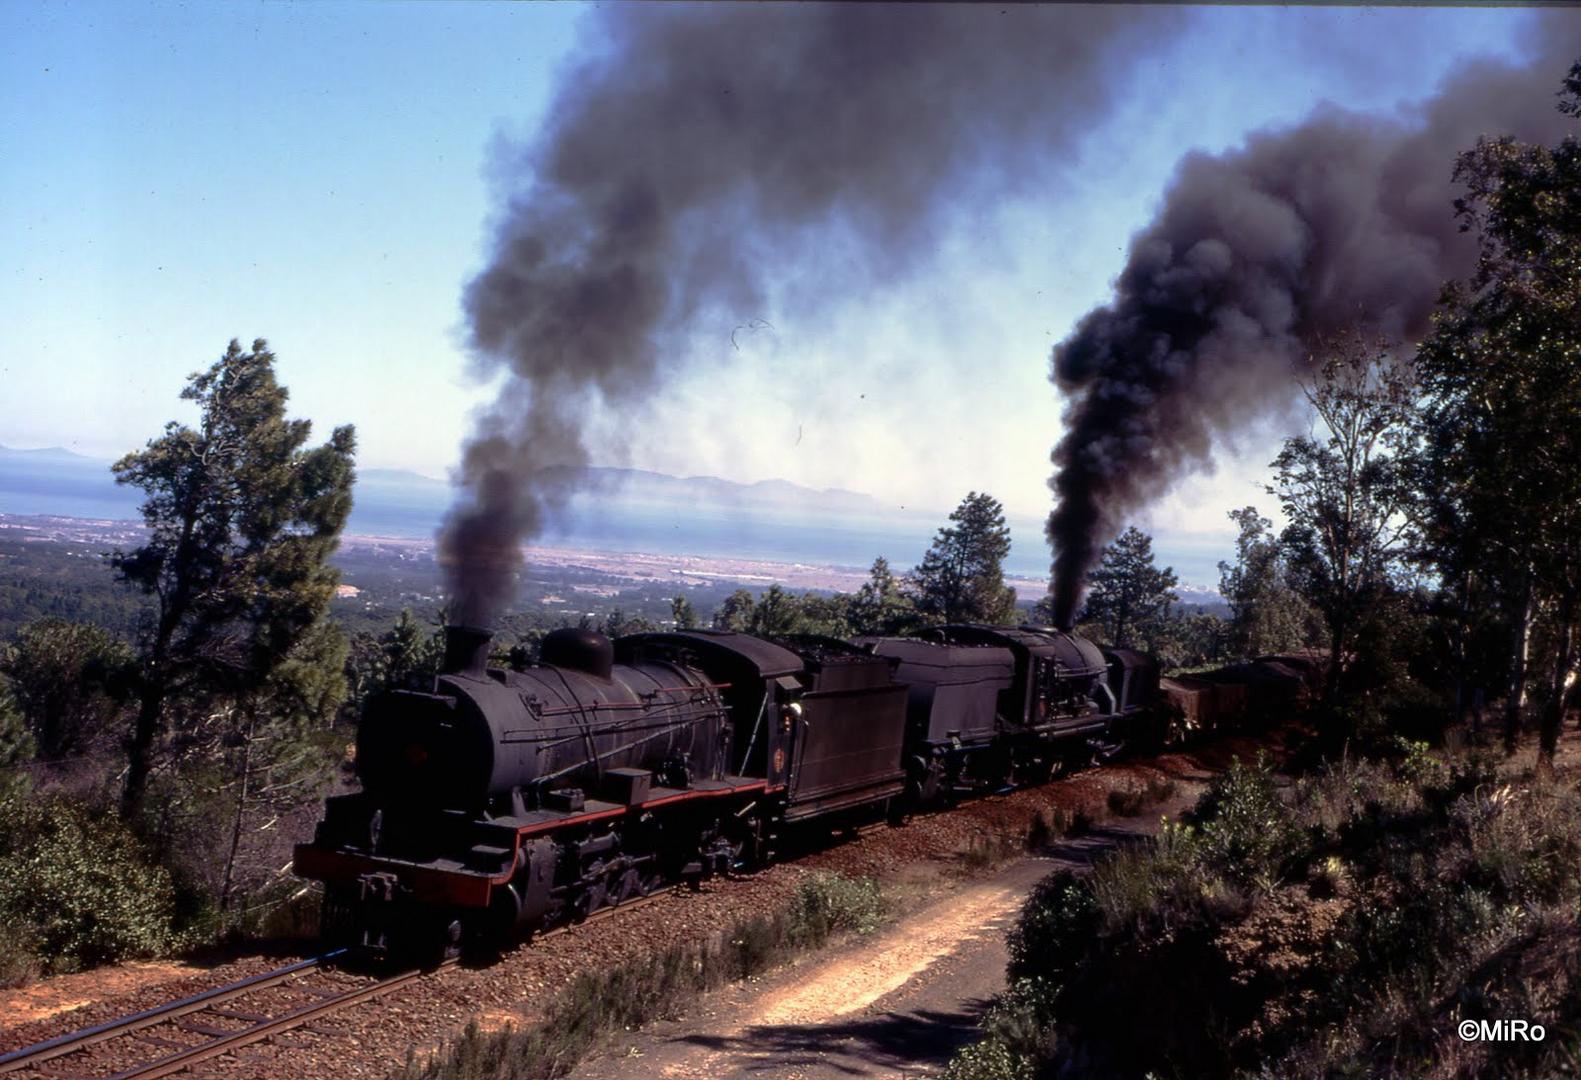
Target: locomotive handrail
587,728
757,726
597,758
558,736
619,706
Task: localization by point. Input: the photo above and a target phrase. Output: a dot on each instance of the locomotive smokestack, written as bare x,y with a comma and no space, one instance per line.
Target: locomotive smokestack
1344,222
466,651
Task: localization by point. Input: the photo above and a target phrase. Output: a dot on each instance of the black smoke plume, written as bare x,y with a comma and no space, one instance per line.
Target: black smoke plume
1343,221
705,156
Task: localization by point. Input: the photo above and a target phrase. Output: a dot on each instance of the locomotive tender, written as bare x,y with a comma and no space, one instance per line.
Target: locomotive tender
498,802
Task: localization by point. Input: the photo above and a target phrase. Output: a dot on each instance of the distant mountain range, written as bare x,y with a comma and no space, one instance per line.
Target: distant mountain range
608,509
57,473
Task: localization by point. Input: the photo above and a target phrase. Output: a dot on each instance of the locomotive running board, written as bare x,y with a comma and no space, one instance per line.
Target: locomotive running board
542,821
471,888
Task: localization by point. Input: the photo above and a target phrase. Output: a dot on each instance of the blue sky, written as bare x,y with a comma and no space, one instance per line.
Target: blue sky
172,176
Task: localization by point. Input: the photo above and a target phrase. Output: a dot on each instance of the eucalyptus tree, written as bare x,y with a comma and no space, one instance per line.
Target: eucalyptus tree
1266,615
1501,424
1343,492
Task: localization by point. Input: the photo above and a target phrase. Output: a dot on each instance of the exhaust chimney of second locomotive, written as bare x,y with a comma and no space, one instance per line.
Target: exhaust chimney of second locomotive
466,651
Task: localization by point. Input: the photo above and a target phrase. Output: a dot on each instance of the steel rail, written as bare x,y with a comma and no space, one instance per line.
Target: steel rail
28,1056
302,1014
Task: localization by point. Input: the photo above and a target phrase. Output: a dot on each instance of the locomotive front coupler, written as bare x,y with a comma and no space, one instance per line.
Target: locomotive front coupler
385,927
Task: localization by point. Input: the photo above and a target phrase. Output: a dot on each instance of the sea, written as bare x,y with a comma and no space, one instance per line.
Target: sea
404,504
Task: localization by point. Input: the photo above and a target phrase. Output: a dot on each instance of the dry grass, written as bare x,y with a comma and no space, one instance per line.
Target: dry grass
630,995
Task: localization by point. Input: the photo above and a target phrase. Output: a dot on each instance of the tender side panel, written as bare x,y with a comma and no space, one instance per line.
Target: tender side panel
848,750
955,688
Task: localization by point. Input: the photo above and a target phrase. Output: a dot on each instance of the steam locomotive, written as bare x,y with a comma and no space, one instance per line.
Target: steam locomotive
497,803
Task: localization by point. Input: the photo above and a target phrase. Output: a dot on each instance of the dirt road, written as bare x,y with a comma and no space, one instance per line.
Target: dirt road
897,1004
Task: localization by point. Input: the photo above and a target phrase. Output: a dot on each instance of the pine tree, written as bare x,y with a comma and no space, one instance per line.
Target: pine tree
16,746
880,606
682,613
243,520
736,612
961,578
70,680
270,762
1129,596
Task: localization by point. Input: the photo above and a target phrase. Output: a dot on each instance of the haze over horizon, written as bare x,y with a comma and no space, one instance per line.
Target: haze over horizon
622,511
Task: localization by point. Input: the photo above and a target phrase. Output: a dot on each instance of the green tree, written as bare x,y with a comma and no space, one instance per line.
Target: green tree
961,577
735,613
617,624
71,681
1128,595
775,614
408,650
272,763
242,522
880,606
1266,616
1500,433
402,654
828,615
16,746
1187,639
682,613
1342,493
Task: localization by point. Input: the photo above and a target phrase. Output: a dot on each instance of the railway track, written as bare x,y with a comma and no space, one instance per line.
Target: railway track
163,1027
199,1013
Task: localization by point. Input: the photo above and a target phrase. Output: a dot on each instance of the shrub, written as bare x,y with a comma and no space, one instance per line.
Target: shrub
1246,831
1130,799
985,850
990,1059
1017,1034
1162,887
1329,802
1523,844
1415,763
1053,823
1126,801
81,885
1040,831
826,904
1057,923
1436,892
20,963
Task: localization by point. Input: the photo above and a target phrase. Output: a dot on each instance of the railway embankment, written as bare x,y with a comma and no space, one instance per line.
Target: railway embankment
921,861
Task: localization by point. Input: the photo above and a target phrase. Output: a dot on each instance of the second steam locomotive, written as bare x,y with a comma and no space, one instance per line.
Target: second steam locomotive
497,802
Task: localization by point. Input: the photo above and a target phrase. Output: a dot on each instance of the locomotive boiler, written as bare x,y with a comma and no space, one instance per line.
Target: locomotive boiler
498,802
512,741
